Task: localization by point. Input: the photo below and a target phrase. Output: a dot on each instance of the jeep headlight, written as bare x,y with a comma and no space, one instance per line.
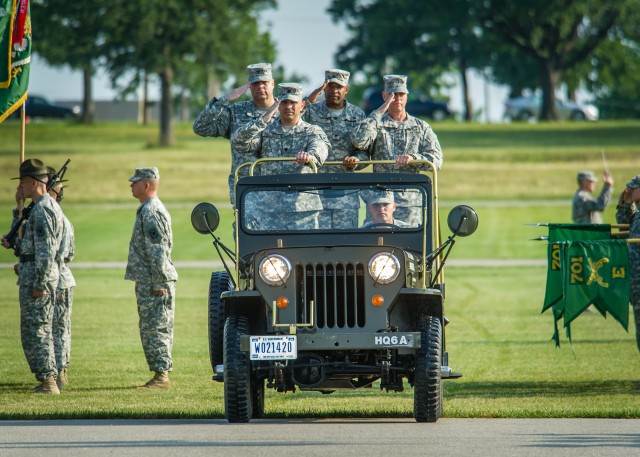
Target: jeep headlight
274,269
384,267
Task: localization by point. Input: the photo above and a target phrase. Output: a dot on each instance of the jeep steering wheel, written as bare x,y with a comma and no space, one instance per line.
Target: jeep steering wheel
382,224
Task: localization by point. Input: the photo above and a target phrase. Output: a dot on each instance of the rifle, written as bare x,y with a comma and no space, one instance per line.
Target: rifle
53,180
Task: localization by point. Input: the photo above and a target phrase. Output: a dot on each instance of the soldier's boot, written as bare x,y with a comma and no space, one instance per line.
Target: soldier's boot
48,386
160,380
62,380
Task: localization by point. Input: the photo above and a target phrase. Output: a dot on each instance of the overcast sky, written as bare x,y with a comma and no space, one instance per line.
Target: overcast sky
306,40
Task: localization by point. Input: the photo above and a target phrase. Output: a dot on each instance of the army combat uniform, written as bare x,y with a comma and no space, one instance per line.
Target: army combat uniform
389,139
584,208
338,212
150,266
299,211
630,214
220,118
39,270
64,302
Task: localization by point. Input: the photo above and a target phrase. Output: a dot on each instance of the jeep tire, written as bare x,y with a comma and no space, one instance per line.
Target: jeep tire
427,401
219,283
238,401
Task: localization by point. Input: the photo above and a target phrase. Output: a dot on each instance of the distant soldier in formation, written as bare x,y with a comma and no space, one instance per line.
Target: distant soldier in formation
38,275
338,118
585,209
221,118
628,212
393,134
64,293
290,136
150,266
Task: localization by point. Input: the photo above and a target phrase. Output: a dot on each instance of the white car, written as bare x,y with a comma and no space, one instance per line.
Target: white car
528,108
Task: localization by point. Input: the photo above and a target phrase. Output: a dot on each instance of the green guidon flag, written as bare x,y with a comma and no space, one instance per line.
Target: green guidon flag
15,54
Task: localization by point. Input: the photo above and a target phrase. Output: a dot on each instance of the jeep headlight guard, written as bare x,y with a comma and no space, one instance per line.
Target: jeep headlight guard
275,269
384,267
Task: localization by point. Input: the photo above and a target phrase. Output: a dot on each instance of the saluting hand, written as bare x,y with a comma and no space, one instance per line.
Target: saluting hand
238,92
266,117
385,106
313,96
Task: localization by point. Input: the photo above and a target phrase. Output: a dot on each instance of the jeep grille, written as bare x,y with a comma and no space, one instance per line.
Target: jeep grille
337,292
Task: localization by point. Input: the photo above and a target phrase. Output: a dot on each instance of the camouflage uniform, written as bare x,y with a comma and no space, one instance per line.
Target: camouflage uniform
39,270
629,214
388,139
341,212
586,209
64,298
296,211
220,118
150,266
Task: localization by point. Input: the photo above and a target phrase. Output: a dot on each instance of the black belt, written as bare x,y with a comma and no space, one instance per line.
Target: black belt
27,258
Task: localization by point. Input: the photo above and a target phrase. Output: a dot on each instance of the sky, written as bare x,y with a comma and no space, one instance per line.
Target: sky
306,40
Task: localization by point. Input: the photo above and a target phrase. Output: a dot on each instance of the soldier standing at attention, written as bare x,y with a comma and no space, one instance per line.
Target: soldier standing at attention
393,134
221,118
38,275
338,118
628,212
64,293
150,266
290,136
585,209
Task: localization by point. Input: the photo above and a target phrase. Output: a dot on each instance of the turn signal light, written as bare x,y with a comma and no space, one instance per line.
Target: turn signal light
282,302
377,300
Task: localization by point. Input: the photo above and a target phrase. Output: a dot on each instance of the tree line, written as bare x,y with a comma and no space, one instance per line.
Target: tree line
193,46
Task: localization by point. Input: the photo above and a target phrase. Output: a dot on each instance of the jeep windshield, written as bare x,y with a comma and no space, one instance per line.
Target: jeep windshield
334,207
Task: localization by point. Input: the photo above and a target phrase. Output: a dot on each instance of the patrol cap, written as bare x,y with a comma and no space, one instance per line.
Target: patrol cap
33,168
395,83
634,183
588,175
290,91
337,76
259,72
145,173
382,197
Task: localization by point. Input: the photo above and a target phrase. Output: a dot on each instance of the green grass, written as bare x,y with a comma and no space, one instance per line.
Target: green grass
512,175
496,337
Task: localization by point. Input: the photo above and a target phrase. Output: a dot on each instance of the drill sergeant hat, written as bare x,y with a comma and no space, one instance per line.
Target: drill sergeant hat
145,173
34,168
634,183
395,83
337,76
259,72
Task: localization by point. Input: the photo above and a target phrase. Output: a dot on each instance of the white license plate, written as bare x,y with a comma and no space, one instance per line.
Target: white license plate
277,347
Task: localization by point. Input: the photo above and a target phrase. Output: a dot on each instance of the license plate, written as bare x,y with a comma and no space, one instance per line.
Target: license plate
277,347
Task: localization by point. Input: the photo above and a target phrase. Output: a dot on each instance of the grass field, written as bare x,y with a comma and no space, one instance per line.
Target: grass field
513,175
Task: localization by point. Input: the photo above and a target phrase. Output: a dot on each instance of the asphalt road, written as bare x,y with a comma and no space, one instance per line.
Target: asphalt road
329,437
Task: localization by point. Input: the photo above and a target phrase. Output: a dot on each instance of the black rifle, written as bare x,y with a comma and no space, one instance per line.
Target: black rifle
53,180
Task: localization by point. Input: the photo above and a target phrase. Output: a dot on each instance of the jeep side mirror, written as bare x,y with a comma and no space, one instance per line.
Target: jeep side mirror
205,218
462,220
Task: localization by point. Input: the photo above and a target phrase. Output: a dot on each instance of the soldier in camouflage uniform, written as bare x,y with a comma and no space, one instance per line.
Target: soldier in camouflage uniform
338,118
628,212
150,266
220,118
290,136
393,134
38,275
381,208
585,208
64,293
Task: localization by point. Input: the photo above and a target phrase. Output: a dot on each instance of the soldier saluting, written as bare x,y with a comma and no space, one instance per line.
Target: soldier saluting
38,275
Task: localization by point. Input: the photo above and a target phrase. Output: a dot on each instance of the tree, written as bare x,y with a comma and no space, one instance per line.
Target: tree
183,42
423,40
70,33
558,35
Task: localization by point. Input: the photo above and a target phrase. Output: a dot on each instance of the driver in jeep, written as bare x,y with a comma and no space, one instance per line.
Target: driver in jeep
381,209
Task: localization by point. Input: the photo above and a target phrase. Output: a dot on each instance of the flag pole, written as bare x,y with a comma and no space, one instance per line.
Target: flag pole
23,131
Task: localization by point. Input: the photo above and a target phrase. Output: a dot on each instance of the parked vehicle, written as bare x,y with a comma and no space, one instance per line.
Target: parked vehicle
330,308
37,107
417,105
528,108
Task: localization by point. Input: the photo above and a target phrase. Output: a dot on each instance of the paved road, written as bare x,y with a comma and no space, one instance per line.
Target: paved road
337,437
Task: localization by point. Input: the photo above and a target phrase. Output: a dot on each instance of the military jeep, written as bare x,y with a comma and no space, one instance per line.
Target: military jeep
327,306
